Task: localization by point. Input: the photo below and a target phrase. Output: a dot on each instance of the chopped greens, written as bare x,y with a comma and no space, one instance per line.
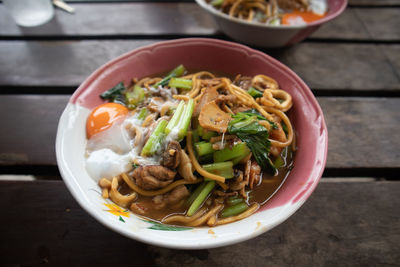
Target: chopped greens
178,71
245,126
254,92
134,97
115,94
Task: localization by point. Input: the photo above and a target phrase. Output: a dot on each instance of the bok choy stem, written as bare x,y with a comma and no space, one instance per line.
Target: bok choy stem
154,140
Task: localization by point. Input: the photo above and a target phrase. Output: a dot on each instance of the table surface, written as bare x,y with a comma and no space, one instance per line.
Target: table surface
352,66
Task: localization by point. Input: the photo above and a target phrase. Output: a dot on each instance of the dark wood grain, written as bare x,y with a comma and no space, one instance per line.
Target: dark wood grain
355,223
28,136
374,2
361,130
329,66
186,19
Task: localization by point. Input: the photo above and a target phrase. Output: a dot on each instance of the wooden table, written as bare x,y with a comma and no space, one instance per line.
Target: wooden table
352,65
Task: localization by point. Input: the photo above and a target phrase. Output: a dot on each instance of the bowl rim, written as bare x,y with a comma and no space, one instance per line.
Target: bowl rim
75,189
220,14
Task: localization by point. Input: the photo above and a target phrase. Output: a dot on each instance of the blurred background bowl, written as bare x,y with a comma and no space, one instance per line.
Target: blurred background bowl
263,35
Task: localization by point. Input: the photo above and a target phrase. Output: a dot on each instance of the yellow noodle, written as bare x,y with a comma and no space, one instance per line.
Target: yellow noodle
205,217
196,164
105,193
272,94
212,220
181,97
286,120
105,183
151,81
266,124
116,196
184,218
253,208
164,190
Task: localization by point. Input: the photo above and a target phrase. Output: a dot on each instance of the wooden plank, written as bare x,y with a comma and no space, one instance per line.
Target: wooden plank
342,66
45,222
68,63
347,26
118,19
360,130
29,134
128,19
382,24
374,2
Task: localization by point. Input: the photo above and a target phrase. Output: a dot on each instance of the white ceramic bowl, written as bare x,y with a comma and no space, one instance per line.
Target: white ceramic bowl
263,35
196,53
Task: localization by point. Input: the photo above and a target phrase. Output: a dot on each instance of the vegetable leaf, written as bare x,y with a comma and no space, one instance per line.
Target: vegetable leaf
261,117
245,126
115,94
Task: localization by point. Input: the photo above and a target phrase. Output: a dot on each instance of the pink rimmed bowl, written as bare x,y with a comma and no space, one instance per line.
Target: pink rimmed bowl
206,54
263,35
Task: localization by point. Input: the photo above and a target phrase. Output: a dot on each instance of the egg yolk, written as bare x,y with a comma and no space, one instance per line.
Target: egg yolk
103,116
307,16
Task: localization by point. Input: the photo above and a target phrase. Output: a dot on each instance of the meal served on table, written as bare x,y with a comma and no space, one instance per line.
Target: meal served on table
273,12
191,149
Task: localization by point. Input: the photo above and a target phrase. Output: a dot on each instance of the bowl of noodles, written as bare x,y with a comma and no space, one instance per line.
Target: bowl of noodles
271,23
192,143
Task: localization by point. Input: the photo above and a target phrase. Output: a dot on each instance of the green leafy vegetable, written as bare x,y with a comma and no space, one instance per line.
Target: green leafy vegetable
245,126
133,98
115,94
178,71
254,92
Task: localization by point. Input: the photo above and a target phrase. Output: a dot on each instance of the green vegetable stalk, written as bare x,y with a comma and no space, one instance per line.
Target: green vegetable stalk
154,140
224,169
180,83
203,148
178,71
142,114
234,200
175,118
196,192
234,210
201,198
184,121
133,98
238,150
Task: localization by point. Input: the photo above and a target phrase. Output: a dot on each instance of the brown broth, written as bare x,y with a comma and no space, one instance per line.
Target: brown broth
266,188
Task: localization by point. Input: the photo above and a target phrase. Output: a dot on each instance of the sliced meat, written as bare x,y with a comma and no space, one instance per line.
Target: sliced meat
153,177
243,82
172,155
209,95
177,194
213,118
